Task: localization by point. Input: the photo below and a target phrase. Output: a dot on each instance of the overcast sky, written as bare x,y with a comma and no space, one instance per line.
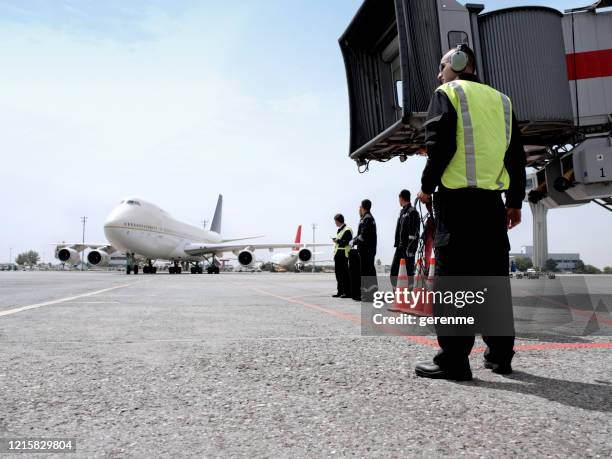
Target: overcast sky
177,101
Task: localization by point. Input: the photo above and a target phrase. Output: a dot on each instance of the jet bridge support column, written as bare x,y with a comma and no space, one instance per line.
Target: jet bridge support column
540,234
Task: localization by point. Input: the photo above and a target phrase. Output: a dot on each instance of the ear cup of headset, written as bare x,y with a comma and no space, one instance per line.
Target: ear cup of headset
459,60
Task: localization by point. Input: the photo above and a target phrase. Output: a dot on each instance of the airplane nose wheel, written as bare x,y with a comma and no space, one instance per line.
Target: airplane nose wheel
176,269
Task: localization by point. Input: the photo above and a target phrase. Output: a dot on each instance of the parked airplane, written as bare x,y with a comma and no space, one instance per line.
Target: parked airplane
140,228
298,256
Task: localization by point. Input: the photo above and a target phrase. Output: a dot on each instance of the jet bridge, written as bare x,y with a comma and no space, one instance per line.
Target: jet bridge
556,67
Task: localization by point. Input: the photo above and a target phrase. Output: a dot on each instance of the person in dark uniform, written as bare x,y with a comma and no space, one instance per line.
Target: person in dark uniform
355,273
341,255
365,241
475,155
406,236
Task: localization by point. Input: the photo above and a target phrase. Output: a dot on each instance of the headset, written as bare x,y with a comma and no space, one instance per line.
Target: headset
459,59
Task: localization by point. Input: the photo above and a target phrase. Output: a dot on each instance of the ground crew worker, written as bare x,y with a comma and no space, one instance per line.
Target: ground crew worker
406,236
341,254
365,241
474,154
355,273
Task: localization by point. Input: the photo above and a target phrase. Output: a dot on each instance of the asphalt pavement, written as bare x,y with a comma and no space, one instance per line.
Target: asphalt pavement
270,365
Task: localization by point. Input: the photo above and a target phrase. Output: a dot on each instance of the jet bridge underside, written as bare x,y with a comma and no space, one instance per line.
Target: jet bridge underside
391,51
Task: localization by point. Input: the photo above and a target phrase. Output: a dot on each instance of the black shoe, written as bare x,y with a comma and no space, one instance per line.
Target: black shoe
357,299
434,371
337,295
345,296
499,368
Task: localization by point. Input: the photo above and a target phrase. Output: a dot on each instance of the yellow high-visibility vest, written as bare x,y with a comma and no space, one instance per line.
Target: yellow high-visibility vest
484,129
338,237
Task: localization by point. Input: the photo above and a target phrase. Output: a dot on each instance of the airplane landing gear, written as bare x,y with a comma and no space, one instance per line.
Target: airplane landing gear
197,269
131,265
176,269
212,267
149,268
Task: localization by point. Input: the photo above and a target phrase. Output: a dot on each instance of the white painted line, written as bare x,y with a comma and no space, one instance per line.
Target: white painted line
91,302
8,312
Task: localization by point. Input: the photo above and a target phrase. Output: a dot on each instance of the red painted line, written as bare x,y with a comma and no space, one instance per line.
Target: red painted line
345,316
428,341
541,347
580,312
590,64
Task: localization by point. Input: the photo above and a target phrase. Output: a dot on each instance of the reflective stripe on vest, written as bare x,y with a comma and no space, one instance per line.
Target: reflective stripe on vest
484,122
338,237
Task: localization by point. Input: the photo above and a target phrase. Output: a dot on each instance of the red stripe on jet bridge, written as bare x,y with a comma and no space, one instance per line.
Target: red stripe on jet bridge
591,64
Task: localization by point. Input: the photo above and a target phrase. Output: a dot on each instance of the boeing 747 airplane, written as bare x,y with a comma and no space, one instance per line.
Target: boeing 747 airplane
141,229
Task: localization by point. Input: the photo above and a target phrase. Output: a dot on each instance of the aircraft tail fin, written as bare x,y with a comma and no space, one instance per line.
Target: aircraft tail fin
216,222
298,235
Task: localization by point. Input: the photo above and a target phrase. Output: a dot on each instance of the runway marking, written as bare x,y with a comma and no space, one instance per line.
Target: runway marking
91,302
579,312
432,342
9,312
342,315
539,347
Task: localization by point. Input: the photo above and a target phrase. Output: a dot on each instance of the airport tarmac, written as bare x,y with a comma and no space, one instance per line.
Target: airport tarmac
269,365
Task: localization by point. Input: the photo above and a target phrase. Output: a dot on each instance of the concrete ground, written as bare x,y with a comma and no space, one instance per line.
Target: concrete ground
269,365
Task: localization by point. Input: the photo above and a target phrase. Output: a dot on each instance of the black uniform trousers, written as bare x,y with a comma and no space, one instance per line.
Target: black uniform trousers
341,268
355,274
472,242
369,283
400,252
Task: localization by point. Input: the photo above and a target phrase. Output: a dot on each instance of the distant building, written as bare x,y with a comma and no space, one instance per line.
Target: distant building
565,261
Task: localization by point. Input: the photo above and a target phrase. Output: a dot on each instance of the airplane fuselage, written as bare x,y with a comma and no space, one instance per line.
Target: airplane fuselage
137,226
286,260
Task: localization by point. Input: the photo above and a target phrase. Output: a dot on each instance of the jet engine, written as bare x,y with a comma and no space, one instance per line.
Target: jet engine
304,255
246,258
69,256
97,257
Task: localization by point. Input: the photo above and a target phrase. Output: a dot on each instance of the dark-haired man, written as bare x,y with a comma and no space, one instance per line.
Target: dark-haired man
341,254
366,245
406,236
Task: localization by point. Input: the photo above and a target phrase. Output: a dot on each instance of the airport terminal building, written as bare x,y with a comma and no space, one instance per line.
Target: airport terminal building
565,261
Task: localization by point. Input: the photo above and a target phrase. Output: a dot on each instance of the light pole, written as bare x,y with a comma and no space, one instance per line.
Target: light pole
84,221
314,227
204,222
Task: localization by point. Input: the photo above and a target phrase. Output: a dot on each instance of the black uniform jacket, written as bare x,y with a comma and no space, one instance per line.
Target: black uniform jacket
407,229
441,141
366,234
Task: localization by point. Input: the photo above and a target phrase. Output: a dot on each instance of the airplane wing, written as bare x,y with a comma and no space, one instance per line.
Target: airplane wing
79,246
196,249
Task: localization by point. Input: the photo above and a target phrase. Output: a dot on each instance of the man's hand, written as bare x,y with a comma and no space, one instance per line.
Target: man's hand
513,217
424,197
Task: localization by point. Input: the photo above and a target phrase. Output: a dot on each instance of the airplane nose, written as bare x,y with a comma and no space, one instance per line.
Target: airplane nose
115,218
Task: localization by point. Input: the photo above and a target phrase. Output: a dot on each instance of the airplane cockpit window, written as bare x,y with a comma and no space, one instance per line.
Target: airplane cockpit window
130,202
